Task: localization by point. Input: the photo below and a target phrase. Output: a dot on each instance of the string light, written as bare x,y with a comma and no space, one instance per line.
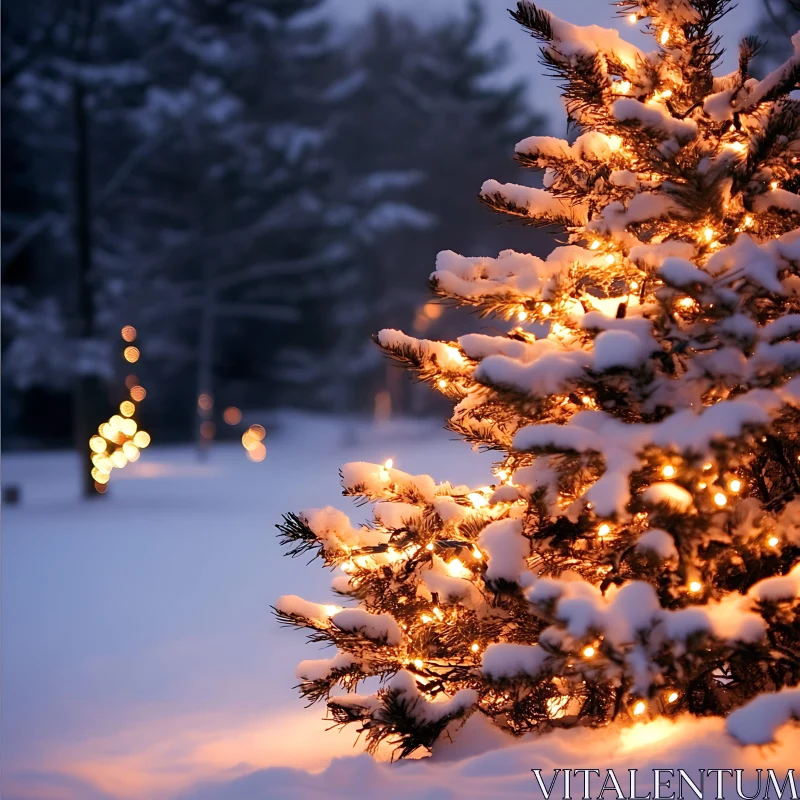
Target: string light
610,259
232,415
695,587
429,546
633,19
477,553
672,697
442,383
639,708
457,569
475,647
595,245
773,185
720,499
664,36
546,309
118,440
426,619
522,315
478,500
588,652
419,663
709,234
735,485
773,541
604,530
668,471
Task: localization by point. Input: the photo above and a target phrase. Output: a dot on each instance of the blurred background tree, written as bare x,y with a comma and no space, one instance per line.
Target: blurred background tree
239,181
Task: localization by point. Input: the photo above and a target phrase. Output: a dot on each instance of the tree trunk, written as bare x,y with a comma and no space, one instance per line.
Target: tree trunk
204,401
89,389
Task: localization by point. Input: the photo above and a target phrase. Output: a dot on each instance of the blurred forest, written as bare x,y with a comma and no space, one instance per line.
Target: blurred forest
256,187
252,185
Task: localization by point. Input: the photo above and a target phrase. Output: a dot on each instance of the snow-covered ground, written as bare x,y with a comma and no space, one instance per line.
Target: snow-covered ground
141,660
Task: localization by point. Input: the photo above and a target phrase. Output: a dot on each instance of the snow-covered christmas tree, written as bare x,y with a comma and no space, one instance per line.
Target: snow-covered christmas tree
638,550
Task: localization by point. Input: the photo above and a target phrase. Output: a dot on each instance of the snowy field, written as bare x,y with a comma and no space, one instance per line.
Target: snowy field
141,660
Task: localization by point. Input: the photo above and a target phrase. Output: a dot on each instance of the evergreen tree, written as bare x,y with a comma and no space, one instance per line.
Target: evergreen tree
637,552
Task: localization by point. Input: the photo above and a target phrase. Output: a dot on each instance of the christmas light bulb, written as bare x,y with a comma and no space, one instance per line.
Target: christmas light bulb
720,499
610,259
668,471
735,485
595,245
475,647
426,619
604,530
664,36
546,309
419,663
332,610
773,185
695,587
442,383
588,652
633,19
522,315
672,697
639,708
773,541
429,546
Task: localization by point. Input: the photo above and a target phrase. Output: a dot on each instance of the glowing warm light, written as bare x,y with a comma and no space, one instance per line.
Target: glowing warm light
131,381
232,415
622,87
115,422
98,444
138,393
457,569
604,530
546,309
141,439
477,553
707,466
126,408
773,541
672,697
437,612
522,315
588,652
702,485
664,36
686,302
426,619
442,383
478,500
557,706
475,647
128,427
735,485
389,463
128,333
773,185
709,234
738,146
432,310
257,453
595,245
634,285
720,499
131,354
331,610
205,402
100,477
695,587
668,471
131,451
633,19
639,708
667,93
419,663
118,459
610,259
748,221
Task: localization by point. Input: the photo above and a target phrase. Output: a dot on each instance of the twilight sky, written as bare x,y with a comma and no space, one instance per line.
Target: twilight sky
544,93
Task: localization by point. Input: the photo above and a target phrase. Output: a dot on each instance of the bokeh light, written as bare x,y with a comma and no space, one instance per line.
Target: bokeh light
126,408
97,444
232,415
207,430
205,402
131,381
128,333
131,354
138,393
258,452
141,439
